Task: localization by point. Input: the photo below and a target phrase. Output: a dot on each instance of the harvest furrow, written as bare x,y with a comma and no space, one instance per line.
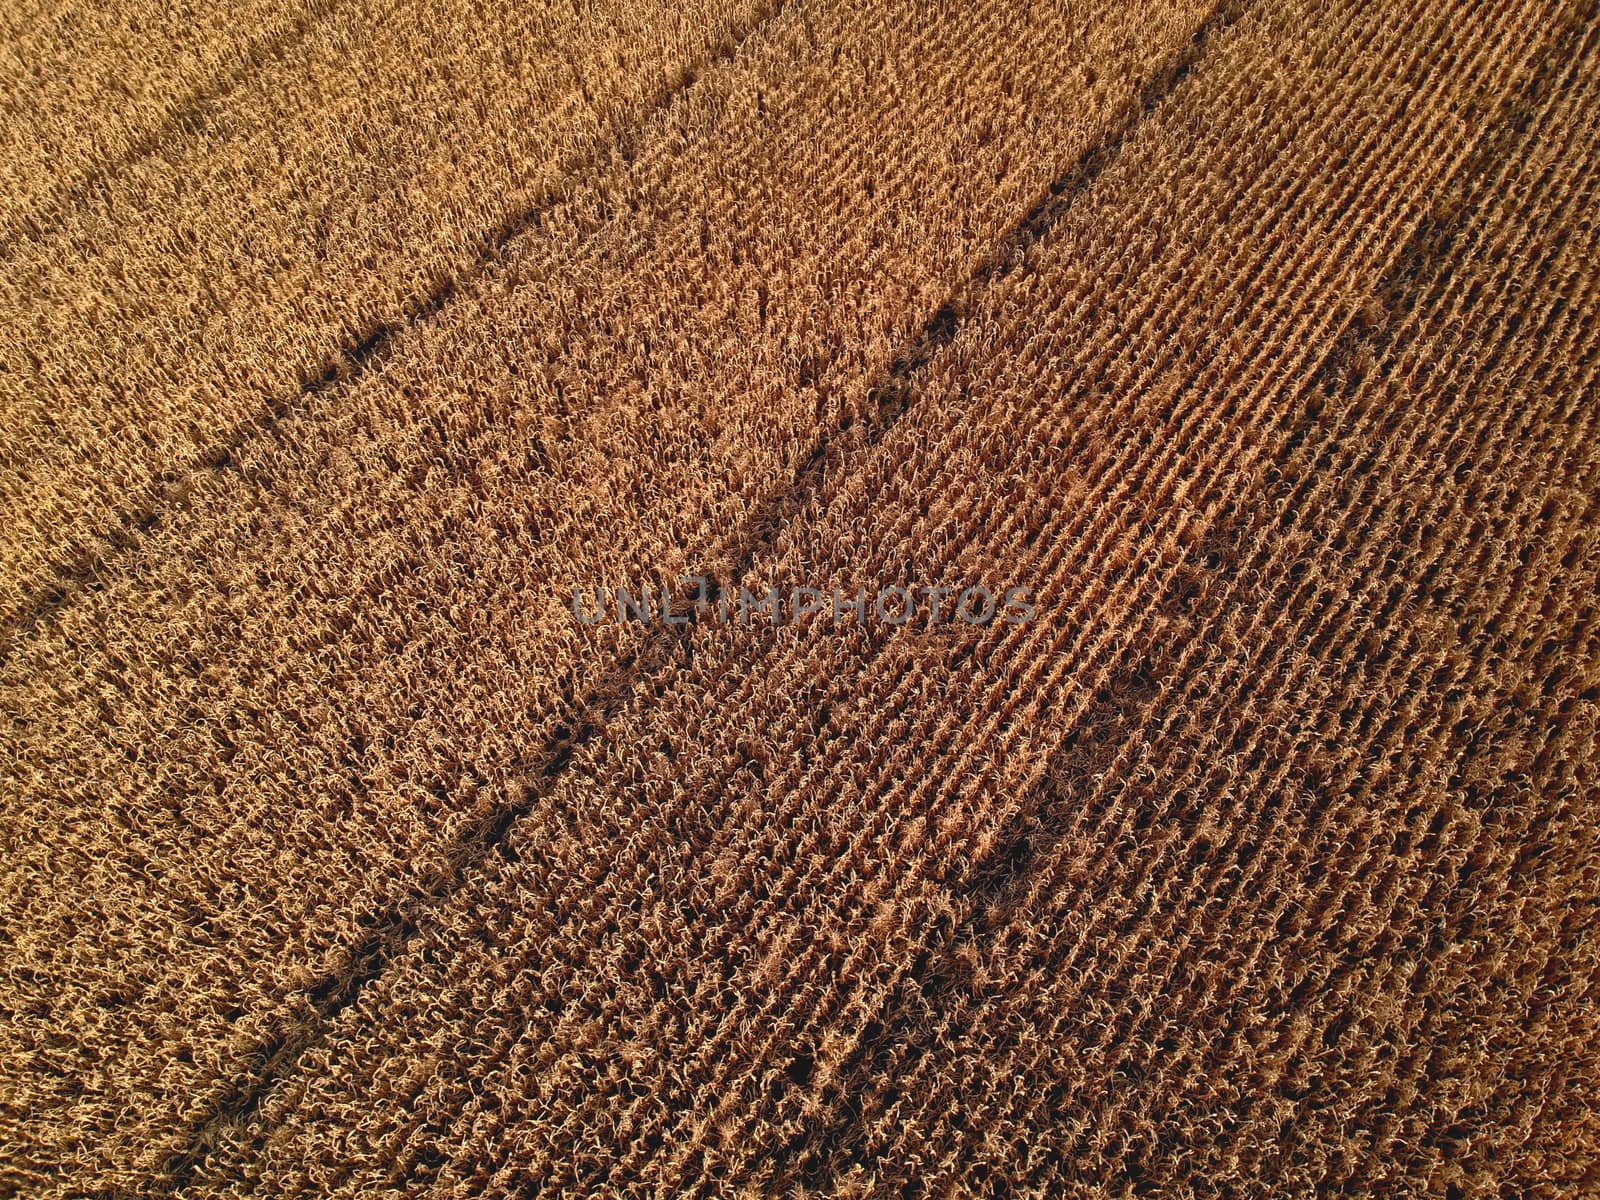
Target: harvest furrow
710,399
351,349
736,934
914,804
1085,880
991,892
330,199
885,401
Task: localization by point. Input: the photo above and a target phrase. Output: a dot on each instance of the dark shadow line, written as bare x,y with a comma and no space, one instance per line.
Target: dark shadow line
386,933
344,366
995,889
888,401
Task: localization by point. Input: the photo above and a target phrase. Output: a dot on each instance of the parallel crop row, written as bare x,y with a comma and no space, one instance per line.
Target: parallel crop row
342,187
309,695
1143,889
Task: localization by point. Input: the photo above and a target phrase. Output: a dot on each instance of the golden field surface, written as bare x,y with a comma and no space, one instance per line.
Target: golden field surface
343,342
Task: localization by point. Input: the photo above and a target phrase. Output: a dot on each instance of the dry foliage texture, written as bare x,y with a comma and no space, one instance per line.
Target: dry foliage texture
340,341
